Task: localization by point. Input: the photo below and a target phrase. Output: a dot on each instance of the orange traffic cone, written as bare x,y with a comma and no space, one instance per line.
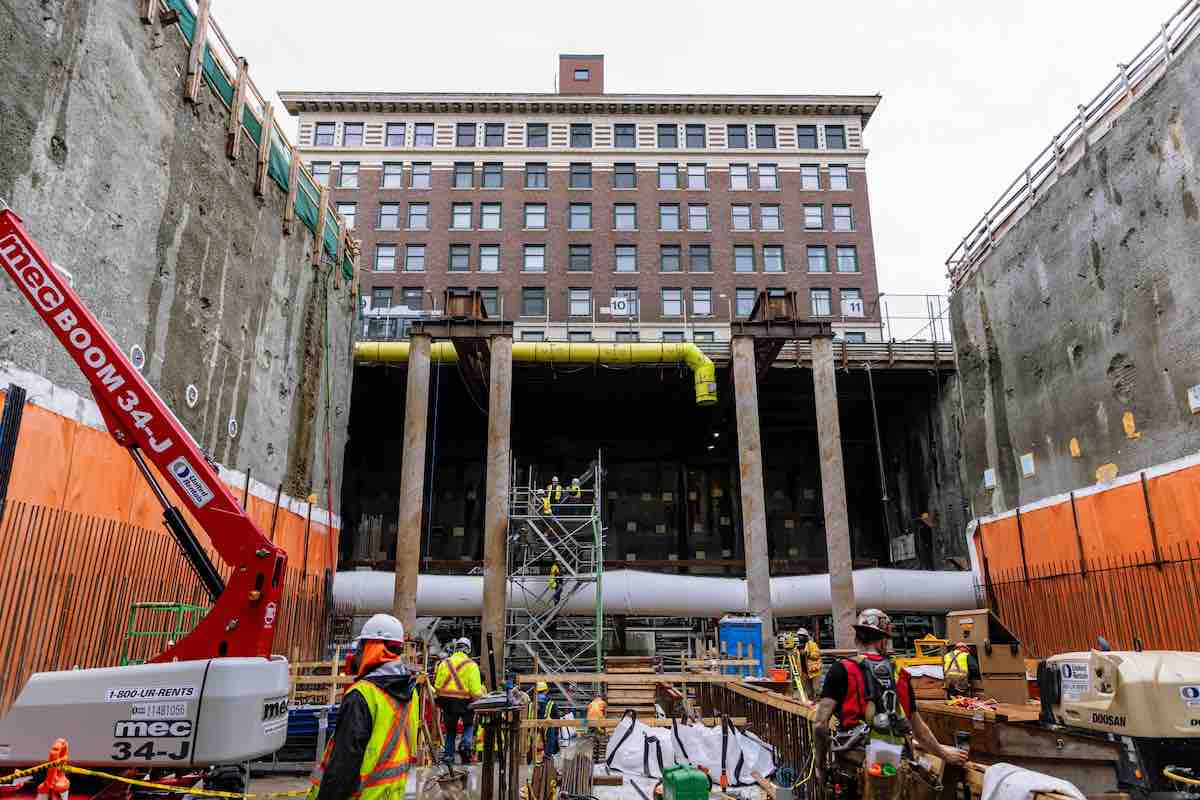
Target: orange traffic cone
56,786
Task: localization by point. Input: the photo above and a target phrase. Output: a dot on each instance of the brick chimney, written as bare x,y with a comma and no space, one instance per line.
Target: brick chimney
580,74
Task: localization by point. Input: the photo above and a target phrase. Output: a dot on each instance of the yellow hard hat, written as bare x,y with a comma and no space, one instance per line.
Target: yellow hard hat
541,687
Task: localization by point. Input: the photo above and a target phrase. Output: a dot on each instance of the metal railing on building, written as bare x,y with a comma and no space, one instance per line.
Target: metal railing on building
1144,69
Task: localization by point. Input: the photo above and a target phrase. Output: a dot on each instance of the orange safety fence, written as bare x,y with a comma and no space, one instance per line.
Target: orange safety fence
1122,561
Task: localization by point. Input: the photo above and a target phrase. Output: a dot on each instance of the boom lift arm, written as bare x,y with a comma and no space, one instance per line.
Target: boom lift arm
242,619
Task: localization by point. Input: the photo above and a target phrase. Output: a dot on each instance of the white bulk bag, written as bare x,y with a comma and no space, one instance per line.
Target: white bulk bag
722,748
637,749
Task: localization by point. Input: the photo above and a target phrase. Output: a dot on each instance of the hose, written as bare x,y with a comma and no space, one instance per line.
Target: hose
1167,772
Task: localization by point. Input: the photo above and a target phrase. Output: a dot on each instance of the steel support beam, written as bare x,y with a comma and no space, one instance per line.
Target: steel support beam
754,510
833,491
412,481
495,524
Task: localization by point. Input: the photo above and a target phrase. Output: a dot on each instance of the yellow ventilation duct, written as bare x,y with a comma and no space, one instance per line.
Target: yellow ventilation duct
704,372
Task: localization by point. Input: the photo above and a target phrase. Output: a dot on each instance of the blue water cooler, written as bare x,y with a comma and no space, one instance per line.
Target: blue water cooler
745,635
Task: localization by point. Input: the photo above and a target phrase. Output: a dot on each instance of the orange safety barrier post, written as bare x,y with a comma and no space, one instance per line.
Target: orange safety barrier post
56,785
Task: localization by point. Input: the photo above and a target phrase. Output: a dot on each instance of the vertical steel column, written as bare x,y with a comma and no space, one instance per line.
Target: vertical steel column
412,481
754,510
833,491
495,523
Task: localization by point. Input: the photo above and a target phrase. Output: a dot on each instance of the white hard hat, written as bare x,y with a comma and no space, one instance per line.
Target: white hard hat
804,632
555,479
463,644
384,627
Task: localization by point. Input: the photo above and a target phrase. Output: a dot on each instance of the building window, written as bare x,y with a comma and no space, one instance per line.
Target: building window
421,172
819,302
324,134
624,135
580,217
579,302
389,216
581,176
535,216
697,176
764,137
769,218
739,176
843,218
856,337
581,134
625,217
533,302
743,258
673,336
806,137
414,260
418,216
668,176
668,216
535,135
413,298
736,137
393,176
701,302
489,258
839,176
489,216
460,258
579,336
631,294
626,257
669,258
348,175
535,258
699,258
423,134
352,134
624,176
535,176
852,303
835,137
493,134
703,337
695,136
668,136
810,177
582,73
672,302
744,301
579,258
768,177
464,175
348,212
698,217
493,175
320,172
489,297
533,336
627,336
381,297
772,258
395,134
814,219
460,216
818,260
847,258
385,258
464,134
741,217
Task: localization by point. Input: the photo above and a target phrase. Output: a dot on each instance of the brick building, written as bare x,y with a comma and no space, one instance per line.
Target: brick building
554,204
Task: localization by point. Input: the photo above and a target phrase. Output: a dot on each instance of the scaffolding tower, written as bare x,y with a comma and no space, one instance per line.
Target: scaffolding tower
555,561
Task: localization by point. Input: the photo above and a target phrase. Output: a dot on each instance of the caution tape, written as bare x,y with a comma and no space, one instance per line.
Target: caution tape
24,773
181,789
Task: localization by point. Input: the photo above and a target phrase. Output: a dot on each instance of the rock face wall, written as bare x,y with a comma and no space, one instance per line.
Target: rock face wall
1079,334
127,187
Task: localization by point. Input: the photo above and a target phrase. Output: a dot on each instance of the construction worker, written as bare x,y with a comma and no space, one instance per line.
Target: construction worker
810,661
960,668
542,707
544,501
371,752
554,584
873,699
575,494
456,683
596,711
554,491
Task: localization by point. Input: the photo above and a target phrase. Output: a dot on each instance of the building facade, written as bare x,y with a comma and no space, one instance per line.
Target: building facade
587,216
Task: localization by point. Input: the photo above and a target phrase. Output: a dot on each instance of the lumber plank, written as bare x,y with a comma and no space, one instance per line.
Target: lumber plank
609,723
195,67
233,137
264,150
631,679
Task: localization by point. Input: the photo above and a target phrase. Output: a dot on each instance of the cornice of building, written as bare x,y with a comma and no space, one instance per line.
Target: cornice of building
862,105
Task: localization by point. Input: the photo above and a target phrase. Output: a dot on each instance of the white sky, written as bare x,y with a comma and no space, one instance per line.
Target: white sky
972,90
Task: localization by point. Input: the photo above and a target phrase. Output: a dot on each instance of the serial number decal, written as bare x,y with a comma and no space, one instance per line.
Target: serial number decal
159,710
148,751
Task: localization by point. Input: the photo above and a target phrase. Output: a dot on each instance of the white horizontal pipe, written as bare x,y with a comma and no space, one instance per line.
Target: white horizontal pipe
651,594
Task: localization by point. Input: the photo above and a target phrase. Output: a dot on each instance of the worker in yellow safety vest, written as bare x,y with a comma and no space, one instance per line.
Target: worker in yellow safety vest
456,683
576,491
554,491
810,660
371,753
554,584
544,501
542,707
960,668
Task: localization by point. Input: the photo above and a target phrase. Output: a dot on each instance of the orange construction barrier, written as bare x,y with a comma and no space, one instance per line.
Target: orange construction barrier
56,786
